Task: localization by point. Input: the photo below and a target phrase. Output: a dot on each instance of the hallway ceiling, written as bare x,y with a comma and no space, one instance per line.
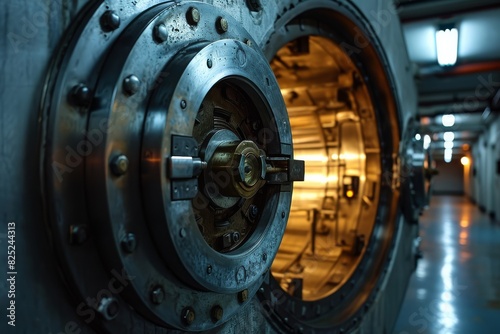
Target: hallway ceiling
470,89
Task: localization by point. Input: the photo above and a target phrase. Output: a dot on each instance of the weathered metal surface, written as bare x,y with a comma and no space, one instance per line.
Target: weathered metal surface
87,258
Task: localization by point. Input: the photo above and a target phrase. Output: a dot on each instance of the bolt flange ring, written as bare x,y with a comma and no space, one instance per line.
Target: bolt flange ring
106,160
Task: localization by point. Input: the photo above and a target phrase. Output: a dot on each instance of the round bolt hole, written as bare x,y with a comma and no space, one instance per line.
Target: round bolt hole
222,25
108,307
119,165
254,5
209,269
188,316
193,16
129,243
209,63
183,104
157,295
216,313
243,296
78,234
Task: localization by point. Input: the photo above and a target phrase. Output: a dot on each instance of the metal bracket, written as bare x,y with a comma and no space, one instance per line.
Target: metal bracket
180,167
184,168
284,170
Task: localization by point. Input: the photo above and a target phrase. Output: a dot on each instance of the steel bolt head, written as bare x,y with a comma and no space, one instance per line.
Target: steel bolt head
129,243
183,104
80,95
222,25
209,269
160,33
243,296
209,63
216,313
193,16
131,84
119,165
108,307
78,234
110,21
157,295
188,316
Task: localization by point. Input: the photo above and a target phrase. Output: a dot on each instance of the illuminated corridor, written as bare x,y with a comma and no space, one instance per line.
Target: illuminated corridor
456,287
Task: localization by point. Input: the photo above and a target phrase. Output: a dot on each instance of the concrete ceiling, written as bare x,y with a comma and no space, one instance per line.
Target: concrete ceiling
470,89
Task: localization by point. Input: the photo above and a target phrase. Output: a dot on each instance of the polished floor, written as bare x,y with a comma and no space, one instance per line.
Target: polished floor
456,287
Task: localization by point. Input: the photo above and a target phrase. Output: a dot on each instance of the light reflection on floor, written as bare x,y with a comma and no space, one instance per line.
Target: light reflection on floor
456,287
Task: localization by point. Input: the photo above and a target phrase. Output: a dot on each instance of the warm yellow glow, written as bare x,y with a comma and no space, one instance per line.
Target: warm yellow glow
425,120
311,158
465,161
352,156
305,196
337,145
464,235
317,178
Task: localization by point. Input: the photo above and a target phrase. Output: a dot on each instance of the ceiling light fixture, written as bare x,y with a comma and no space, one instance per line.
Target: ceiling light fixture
447,45
448,153
448,120
427,141
448,136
